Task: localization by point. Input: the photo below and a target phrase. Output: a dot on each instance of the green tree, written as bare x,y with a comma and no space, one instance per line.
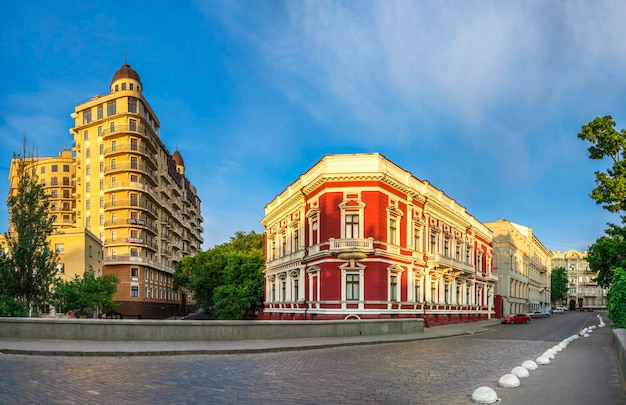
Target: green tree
617,299
607,142
607,253
28,270
558,283
227,279
87,293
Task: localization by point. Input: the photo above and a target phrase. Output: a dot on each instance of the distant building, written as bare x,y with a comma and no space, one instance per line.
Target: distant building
123,204
78,248
522,265
583,291
358,237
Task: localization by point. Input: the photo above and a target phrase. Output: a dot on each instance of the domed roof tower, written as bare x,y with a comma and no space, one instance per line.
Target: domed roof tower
180,163
126,78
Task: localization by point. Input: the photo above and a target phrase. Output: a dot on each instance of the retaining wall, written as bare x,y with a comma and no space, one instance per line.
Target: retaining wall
183,330
619,348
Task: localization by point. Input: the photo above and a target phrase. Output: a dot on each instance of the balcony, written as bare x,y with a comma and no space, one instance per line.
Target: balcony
446,262
352,248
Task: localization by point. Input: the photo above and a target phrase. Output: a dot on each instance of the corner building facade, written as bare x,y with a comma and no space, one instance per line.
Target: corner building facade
134,194
358,237
522,264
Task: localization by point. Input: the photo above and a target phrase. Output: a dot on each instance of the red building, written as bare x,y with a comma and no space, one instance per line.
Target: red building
358,237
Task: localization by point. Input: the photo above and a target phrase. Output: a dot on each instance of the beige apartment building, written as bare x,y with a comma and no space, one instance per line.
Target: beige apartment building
78,248
122,204
134,195
583,291
522,265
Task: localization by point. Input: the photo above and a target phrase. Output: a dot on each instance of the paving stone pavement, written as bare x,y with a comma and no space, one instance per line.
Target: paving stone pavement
427,371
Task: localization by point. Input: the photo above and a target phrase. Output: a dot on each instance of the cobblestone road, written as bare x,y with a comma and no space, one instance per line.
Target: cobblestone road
441,371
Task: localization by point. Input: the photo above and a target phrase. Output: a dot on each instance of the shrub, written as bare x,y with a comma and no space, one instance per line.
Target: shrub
617,299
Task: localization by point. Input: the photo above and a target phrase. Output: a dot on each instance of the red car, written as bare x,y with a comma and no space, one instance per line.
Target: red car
517,318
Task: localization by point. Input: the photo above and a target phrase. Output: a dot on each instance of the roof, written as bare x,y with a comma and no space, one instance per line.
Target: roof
125,72
178,159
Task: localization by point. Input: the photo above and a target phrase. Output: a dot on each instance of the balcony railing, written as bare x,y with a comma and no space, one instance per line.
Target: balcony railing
351,248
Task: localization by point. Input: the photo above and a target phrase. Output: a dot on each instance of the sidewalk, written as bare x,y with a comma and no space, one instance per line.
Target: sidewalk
166,348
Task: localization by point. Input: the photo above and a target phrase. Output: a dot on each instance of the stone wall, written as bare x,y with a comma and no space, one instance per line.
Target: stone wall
184,330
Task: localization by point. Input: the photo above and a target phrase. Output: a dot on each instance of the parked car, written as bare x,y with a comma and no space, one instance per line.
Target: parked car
557,310
538,314
546,312
517,318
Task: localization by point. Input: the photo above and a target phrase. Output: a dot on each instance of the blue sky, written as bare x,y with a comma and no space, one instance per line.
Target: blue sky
484,99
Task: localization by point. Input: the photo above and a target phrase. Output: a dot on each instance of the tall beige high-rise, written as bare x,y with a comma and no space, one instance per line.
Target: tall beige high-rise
134,195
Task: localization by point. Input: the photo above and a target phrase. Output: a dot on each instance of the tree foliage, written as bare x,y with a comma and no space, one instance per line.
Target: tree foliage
558,282
28,270
607,142
226,280
607,253
617,299
87,293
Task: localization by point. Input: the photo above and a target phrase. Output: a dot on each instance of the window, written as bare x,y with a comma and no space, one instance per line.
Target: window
59,248
101,165
66,181
446,293
111,108
60,268
112,127
131,86
113,235
87,222
133,163
352,287
133,178
458,252
113,161
86,135
393,228
134,252
416,239
433,243
86,116
134,273
101,202
446,247
43,182
87,187
88,168
55,194
134,291
102,149
101,184
134,200
352,226
88,204
132,104
393,287
101,223
283,290
123,86
132,125
43,169
90,251
55,168
54,181
99,111
295,289
87,152
418,290
66,193
133,143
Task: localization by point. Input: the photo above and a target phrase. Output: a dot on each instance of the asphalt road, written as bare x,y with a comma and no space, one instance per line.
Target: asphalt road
439,371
